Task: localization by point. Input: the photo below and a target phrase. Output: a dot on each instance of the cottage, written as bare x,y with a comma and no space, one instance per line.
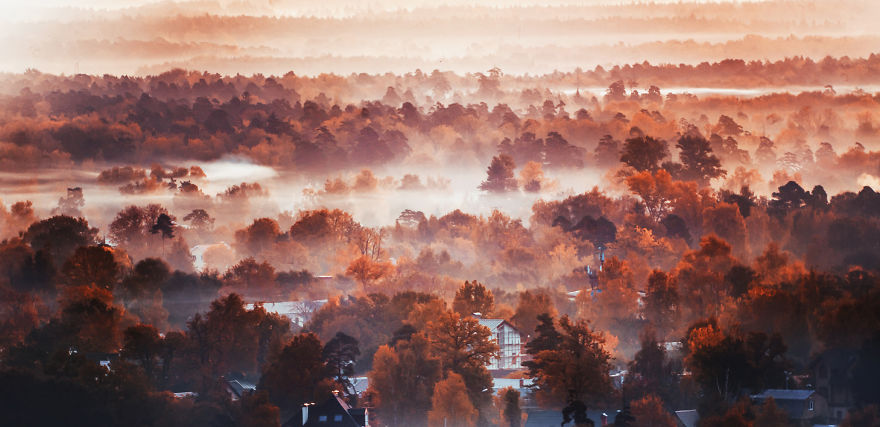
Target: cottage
687,417
804,407
833,373
299,312
237,388
509,340
553,418
333,412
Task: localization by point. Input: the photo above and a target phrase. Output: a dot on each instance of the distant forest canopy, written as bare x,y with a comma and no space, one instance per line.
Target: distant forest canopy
686,239
394,128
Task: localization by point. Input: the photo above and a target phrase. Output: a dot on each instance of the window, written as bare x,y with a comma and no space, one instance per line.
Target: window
811,404
337,418
322,418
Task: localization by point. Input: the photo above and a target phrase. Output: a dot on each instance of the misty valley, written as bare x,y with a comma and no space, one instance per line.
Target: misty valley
472,214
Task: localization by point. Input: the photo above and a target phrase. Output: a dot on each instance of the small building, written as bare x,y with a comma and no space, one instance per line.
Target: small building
360,385
687,417
237,388
299,312
804,407
509,340
553,418
833,374
522,385
333,412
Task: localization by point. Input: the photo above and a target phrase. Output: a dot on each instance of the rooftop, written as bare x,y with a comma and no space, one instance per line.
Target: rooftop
778,394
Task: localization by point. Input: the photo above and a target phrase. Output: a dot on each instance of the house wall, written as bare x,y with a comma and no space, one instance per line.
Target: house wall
509,348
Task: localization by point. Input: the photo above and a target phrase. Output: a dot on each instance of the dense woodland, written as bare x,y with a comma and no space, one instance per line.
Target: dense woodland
738,239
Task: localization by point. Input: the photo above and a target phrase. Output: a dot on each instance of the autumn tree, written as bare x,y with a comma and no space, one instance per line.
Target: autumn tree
92,265
295,375
258,411
545,337
473,297
164,226
500,176
450,405
650,412
91,320
700,275
141,291
607,152
650,372
575,372
530,306
697,161
724,362
231,339
403,379
252,278
257,237
661,301
340,354
644,153
200,219
771,415
59,236
143,344
132,225
657,191
18,316
511,411
465,347
71,204
367,271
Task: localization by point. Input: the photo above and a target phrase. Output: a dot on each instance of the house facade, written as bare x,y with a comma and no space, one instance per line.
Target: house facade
299,312
833,374
804,407
333,412
509,341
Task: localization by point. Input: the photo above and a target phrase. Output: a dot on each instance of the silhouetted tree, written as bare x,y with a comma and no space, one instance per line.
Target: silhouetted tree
164,226
644,153
500,175
473,297
340,354
295,375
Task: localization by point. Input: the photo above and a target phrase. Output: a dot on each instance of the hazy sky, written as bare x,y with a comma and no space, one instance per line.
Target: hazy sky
375,36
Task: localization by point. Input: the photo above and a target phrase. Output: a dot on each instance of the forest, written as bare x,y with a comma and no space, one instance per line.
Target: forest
657,249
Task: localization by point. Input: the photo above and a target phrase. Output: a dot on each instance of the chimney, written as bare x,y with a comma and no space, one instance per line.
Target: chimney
305,412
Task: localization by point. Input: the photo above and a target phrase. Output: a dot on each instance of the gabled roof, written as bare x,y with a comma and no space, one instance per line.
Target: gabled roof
495,324
238,387
688,417
332,408
794,402
778,394
553,418
492,324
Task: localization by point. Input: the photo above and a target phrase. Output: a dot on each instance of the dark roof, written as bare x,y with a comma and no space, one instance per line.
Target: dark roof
778,394
553,418
336,411
359,415
794,402
238,387
688,417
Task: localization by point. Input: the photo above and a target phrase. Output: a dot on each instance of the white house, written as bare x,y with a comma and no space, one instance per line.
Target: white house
299,312
509,340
